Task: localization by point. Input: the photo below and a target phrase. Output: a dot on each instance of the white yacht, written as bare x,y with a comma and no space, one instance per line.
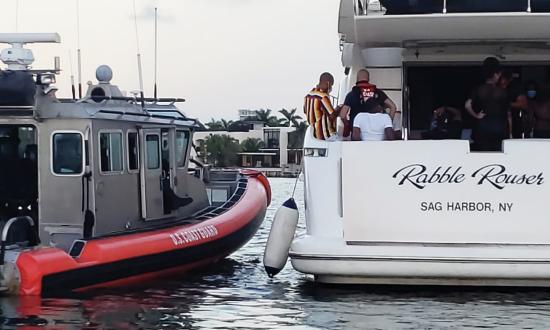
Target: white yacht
431,212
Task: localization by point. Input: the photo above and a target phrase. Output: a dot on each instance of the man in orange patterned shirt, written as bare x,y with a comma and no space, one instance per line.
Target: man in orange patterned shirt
319,111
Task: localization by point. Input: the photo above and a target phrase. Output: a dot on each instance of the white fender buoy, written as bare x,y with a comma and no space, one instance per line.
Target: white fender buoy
280,237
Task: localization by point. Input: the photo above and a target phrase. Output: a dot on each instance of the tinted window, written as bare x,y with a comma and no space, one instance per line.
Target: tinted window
182,140
133,153
67,153
110,152
153,155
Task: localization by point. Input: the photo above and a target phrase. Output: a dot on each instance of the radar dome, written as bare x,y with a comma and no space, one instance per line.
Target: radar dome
104,74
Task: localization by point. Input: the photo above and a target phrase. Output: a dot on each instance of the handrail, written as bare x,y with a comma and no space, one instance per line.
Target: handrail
362,6
6,230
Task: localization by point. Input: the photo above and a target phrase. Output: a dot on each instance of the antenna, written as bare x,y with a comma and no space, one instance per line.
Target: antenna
140,71
73,90
79,55
156,48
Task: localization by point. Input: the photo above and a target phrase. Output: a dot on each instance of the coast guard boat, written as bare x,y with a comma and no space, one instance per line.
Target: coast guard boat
97,191
425,212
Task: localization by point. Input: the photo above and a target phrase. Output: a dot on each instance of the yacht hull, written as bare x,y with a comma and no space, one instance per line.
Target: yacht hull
120,260
418,264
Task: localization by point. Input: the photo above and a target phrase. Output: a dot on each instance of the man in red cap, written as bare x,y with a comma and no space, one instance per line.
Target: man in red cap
364,98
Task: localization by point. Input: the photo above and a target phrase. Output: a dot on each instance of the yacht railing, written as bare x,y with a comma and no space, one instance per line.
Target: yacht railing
366,7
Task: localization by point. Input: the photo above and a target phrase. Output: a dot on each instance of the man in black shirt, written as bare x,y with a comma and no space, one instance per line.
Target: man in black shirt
364,97
490,105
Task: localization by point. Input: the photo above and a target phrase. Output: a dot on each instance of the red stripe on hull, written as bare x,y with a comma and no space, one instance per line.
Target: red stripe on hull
34,265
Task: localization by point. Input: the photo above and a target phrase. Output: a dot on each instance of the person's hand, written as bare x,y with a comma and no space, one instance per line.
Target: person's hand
481,115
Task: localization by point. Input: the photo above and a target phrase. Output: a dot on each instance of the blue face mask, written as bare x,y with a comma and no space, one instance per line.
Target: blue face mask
531,94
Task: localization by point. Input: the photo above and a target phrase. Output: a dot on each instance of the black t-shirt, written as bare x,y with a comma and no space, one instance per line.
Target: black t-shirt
364,100
514,90
495,103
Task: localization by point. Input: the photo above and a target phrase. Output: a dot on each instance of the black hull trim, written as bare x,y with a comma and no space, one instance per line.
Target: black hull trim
84,277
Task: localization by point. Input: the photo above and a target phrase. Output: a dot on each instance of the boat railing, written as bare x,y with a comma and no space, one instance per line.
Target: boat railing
376,7
33,235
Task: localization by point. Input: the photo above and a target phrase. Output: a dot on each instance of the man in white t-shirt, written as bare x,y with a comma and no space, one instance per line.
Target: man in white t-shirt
372,126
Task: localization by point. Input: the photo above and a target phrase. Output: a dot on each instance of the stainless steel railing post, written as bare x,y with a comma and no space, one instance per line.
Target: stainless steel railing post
528,6
444,6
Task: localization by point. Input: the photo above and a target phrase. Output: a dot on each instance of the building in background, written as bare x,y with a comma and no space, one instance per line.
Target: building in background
274,157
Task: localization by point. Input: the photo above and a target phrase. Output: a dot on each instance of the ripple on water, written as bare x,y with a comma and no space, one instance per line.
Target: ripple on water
236,294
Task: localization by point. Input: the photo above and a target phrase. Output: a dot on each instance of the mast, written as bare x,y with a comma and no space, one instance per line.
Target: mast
156,53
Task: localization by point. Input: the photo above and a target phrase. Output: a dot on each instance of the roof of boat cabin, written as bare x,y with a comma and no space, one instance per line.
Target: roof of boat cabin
129,110
406,30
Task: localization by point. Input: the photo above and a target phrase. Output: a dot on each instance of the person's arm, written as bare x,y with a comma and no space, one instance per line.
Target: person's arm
328,107
388,103
344,115
389,134
344,112
356,136
470,109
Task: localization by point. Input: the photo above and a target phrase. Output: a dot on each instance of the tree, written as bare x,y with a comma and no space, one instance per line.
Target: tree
290,117
266,117
226,124
214,125
252,145
296,138
222,150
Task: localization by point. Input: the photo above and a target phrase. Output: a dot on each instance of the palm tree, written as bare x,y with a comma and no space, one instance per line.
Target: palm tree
266,117
290,117
296,138
214,125
225,124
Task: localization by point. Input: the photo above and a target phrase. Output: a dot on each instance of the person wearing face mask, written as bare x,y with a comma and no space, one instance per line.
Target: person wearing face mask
319,111
490,105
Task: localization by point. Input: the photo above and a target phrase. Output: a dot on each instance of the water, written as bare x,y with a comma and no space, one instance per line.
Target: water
236,294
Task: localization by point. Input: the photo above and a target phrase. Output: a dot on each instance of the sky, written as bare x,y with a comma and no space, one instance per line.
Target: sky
220,55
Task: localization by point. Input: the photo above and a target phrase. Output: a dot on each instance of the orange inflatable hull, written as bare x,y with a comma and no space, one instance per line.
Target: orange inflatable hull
115,261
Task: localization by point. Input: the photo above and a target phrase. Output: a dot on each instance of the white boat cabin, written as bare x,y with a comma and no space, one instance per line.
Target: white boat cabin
403,211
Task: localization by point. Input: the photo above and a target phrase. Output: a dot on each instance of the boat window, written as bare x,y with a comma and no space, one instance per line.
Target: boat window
153,151
110,147
133,151
67,154
182,141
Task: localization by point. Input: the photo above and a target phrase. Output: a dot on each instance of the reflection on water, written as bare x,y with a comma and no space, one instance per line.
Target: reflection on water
236,293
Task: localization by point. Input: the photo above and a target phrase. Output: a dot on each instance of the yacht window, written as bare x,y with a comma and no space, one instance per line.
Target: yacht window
153,151
133,152
110,147
67,153
182,141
